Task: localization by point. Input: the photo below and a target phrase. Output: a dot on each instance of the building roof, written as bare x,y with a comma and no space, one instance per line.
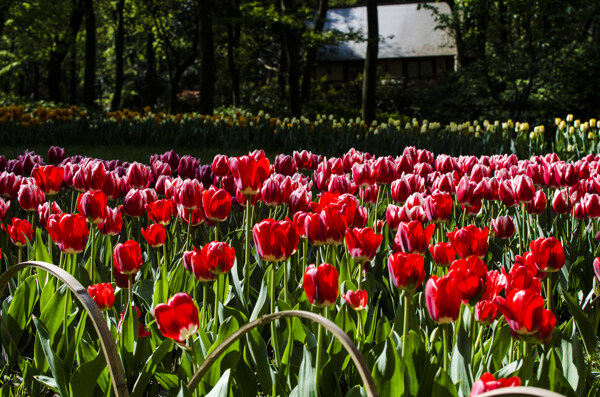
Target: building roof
405,30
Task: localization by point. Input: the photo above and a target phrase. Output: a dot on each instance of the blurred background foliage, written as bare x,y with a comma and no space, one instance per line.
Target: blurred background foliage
520,59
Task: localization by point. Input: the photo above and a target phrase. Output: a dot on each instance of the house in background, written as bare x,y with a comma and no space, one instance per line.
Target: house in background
410,47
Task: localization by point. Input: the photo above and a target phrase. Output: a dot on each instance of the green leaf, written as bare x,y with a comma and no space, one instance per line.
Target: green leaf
260,305
574,367
386,371
54,362
307,376
357,391
460,365
260,359
221,389
584,325
48,382
161,287
85,376
150,367
443,386
21,308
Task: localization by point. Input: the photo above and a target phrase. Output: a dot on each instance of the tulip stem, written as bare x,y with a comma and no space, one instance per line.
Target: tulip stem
549,290
445,343
187,241
50,237
247,252
216,231
478,340
285,282
203,309
305,257
274,340
320,351
524,214
216,316
407,302
93,249
377,206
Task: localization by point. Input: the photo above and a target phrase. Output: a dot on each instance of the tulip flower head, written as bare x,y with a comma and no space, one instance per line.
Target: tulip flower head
470,240
362,244
548,254
443,254
249,173
69,231
103,294
92,205
155,235
128,257
275,240
488,382
412,238
321,285
357,300
19,232
443,299
177,319
406,270
49,178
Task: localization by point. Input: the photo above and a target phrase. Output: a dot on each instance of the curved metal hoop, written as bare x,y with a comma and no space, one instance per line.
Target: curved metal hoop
357,358
520,391
113,361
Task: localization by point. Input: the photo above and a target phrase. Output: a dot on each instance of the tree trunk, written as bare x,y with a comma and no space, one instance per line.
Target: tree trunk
311,53
73,72
207,49
150,88
292,47
233,42
89,79
119,39
370,67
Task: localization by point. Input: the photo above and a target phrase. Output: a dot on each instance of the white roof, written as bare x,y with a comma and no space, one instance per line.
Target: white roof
406,30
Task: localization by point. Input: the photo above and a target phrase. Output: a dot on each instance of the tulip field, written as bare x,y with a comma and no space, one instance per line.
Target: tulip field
412,273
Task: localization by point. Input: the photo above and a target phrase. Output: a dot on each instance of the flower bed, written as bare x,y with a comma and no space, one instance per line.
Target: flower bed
451,275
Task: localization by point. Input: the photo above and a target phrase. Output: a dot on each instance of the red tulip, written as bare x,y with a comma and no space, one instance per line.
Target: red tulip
194,217
596,265
113,222
213,259
538,204
443,299
136,200
525,314
362,244
275,240
507,194
127,257
524,188
561,203
4,206
155,235
443,254
406,270
522,277
321,285
189,194
363,174
470,240
285,165
356,300
187,167
249,173
103,294
44,212
412,238
299,200
90,176
438,207
591,205
30,196
113,186
400,190
548,254
161,211
10,185
69,232
49,178
369,194
56,154
503,227
220,165
92,205
177,319
19,232
470,276
138,176
195,262
488,382
486,311
385,171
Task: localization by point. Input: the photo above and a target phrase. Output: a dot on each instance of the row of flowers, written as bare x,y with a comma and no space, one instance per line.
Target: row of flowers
411,215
